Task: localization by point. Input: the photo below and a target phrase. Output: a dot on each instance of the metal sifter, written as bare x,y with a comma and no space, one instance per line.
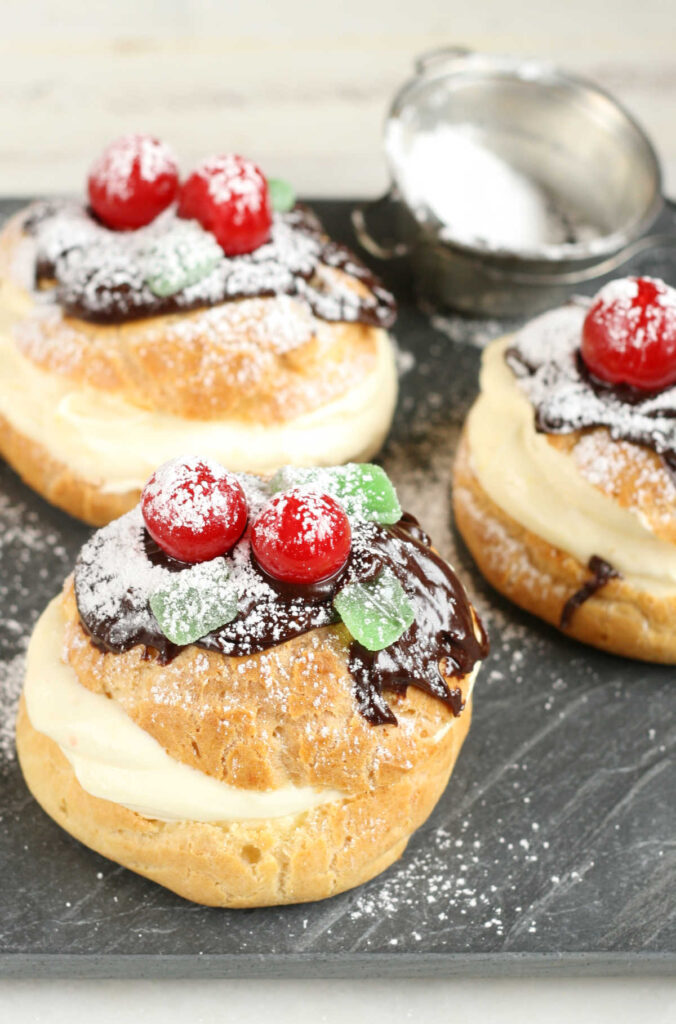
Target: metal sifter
580,181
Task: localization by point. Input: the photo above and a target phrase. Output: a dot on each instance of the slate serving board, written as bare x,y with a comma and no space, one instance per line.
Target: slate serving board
552,850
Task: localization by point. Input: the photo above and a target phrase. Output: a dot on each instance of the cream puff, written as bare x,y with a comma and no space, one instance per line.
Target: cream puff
158,318
565,479
251,692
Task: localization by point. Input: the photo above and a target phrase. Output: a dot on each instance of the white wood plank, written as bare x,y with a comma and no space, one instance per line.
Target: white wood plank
303,89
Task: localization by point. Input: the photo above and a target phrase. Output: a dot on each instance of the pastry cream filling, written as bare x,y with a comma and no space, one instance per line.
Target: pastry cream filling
115,759
116,445
543,490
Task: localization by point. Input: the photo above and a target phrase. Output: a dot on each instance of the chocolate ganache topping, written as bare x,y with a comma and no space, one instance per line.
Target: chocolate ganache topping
104,276
566,397
121,566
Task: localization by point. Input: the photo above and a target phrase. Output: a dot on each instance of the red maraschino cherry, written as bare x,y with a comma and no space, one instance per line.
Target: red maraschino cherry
228,195
629,334
134,179
194,509
301,537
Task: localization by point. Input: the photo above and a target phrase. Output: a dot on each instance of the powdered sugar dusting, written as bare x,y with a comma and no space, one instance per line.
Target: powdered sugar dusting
311,512
607,466
115,577
184,494
623,290
231,179
109,573
457,864
475,332
545,361
103,275
113,170
628,322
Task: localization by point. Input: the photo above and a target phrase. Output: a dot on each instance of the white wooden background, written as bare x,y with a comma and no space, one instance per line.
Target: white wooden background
300,85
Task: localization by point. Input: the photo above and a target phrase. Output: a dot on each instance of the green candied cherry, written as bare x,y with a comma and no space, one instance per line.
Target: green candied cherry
194,602
376,612
365,491
183,256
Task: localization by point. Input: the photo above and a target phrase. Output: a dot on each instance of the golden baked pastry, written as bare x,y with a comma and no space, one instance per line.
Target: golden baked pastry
122,349
288,753
564,486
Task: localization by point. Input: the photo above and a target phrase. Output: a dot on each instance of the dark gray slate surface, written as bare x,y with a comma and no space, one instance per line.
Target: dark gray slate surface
552,850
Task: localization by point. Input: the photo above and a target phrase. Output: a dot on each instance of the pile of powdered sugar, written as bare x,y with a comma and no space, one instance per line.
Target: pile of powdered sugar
448,173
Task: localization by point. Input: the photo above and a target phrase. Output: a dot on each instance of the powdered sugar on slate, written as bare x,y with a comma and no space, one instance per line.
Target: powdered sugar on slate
38,561
11,682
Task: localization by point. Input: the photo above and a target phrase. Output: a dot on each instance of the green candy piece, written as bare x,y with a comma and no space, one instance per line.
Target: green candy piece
364,490
194,602
282,195
185,255
367,492
376,612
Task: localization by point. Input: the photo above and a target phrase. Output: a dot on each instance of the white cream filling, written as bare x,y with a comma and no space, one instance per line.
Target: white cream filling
115,445
114,759
543,490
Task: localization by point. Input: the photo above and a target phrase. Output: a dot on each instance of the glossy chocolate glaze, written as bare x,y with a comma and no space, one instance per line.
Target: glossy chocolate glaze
442,638
99,273
602,572
443,634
